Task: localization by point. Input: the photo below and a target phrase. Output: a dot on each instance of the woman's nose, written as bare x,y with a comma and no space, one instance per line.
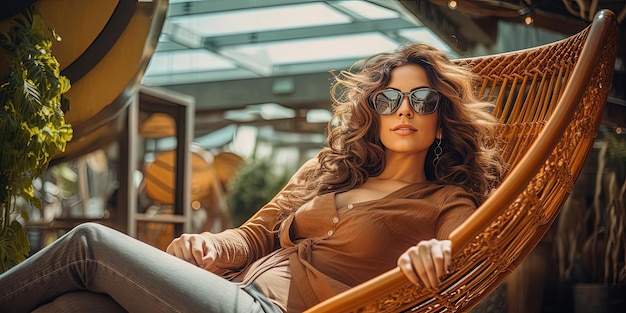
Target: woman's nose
405,108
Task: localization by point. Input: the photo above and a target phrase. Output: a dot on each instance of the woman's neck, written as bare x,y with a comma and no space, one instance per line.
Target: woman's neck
408,168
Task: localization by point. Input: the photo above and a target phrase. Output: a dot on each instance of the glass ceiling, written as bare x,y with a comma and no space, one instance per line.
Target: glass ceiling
219,40
210,41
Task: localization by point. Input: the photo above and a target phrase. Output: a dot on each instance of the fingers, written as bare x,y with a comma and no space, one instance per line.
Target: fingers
424,261
203,252
197,247
181,248
441,253
447,257
406,266
427,263
193,249
209,257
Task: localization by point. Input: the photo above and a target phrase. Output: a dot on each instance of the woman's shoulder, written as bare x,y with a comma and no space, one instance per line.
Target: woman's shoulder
451,188
301,174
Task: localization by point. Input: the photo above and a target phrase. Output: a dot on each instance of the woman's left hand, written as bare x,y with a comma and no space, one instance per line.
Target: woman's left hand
427,263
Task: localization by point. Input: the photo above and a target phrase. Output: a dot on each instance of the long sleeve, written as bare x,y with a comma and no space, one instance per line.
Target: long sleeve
457,207
329,249
238,247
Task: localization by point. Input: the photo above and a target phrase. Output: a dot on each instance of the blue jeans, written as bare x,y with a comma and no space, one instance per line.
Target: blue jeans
137,276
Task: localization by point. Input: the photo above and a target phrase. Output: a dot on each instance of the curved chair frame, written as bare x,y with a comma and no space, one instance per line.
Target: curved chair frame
549,101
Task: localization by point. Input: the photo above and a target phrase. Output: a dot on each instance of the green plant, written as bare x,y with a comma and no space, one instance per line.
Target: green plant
254,185
32,126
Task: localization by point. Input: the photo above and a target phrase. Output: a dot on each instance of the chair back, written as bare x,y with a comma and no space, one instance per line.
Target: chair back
549,101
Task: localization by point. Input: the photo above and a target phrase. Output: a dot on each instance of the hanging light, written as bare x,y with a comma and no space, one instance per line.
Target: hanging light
527,13
528,20
452,4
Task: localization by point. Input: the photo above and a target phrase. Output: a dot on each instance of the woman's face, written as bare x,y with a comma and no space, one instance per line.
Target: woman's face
405,131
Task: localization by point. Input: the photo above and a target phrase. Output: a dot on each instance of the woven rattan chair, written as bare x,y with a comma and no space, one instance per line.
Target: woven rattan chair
549,101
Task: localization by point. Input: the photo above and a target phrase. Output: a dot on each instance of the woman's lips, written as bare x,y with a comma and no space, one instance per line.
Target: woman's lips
404,129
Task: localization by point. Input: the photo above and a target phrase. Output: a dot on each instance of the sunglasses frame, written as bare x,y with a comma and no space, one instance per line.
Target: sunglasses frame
402,95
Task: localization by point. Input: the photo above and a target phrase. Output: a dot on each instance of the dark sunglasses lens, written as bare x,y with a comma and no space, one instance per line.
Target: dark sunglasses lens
424,101
386,101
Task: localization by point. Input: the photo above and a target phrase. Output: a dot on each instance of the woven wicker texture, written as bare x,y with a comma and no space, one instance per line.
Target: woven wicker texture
549,101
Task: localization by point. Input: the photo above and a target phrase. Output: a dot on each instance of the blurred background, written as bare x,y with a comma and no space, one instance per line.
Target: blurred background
244,86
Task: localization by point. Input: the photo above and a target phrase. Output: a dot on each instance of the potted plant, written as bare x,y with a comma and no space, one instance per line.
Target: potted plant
591,236
255,184
32,125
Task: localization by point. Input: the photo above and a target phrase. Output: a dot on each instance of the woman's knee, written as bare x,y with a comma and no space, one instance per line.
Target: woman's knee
89,227
90,239
90,231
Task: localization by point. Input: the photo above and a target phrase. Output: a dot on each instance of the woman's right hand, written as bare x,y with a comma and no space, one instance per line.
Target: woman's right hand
196,249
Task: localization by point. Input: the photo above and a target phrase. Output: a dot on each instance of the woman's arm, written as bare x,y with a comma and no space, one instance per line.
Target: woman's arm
427,263
234,249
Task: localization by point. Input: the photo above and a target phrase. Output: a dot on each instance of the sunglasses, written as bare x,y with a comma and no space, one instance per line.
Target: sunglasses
423,100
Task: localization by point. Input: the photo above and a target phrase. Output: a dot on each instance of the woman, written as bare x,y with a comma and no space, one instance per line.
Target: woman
408,159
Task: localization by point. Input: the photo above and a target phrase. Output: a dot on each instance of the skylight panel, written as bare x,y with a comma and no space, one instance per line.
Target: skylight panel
318,49
267,111
263,19
272,111
218,138
367,9
183,61
318,116
425,35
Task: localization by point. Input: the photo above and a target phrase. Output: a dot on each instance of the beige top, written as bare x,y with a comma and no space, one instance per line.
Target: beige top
322,250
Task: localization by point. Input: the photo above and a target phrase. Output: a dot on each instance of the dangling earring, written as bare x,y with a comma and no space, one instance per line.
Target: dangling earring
438,151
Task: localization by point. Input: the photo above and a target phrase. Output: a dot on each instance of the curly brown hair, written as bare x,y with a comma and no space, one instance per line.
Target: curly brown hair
471,157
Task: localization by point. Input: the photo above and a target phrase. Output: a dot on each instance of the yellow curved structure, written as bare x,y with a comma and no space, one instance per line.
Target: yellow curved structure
104,50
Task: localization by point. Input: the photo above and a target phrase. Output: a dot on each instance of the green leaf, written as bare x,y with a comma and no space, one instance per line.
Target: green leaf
14,245
31,92
24,215
32,125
